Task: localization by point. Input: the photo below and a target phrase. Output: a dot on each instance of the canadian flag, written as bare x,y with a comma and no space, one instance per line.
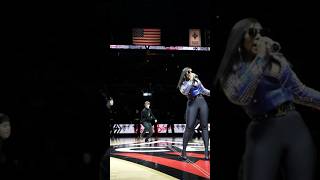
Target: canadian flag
194,37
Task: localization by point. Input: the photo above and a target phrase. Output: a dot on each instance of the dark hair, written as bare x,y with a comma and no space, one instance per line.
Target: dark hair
182,76
4,118
232,54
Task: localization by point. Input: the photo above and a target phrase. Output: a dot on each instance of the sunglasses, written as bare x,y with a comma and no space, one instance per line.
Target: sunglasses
253,32
188,72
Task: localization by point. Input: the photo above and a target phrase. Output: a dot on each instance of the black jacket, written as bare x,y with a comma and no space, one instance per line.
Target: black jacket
147,116
9,169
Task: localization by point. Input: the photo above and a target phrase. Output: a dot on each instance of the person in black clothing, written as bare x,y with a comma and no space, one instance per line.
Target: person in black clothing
5,128
8,165
5,131
170,124
136,122
147,118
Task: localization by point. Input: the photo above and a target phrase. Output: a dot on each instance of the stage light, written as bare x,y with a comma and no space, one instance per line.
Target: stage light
110,102
147,94
163,48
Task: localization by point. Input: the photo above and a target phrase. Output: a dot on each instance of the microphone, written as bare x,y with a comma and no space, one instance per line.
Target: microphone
274,46
195,76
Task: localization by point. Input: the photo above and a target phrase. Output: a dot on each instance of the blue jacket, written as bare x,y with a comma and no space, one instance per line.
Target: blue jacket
260,87
193,88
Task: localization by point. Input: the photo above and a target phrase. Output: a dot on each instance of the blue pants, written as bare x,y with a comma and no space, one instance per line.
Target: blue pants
279,143
198,105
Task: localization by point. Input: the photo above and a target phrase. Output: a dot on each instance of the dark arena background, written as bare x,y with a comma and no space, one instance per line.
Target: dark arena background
74,82
137,75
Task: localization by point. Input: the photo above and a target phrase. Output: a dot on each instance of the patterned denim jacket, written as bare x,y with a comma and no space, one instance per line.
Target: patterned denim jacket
192,89
259,89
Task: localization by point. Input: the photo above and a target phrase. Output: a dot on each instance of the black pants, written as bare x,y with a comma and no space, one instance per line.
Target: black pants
155,129
279,143
170,126
111,130
137,128
198,105
147,128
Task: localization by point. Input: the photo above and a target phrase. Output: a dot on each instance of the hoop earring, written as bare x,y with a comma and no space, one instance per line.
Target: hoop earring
240,53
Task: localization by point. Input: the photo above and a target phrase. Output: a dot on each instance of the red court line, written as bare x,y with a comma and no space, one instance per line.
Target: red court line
196,155
204,165
181,165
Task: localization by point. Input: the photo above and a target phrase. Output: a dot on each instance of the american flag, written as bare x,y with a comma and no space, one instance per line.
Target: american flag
146,36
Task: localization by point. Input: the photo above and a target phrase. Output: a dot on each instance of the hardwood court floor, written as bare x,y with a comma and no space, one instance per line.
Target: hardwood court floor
132,158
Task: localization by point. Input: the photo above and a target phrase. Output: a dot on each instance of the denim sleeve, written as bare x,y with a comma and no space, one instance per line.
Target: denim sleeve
241,84
185,87
204,90
302,94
